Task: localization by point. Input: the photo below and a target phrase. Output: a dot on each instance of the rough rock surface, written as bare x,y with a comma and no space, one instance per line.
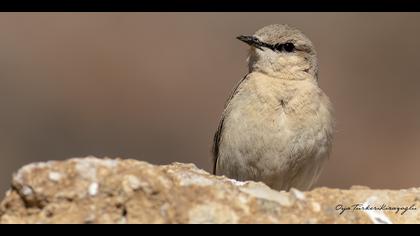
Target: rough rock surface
91,190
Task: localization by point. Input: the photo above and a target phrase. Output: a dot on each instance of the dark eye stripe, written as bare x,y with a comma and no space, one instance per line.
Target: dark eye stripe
278,47
263,44
288,47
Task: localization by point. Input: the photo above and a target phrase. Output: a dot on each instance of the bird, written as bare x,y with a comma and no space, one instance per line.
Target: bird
277,125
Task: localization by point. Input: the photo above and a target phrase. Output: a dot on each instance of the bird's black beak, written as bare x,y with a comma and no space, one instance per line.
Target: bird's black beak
251,40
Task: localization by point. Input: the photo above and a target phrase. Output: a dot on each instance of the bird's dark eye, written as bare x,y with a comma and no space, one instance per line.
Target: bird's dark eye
289,47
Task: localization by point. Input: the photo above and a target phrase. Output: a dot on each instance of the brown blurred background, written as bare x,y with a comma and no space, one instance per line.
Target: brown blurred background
149,86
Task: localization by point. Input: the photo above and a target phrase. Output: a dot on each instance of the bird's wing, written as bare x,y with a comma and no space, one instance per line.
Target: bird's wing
218,134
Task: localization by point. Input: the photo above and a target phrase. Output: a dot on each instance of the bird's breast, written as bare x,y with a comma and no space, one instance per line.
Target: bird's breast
269,117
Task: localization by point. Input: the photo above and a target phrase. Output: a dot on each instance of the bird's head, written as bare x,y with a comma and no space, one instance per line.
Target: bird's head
281,51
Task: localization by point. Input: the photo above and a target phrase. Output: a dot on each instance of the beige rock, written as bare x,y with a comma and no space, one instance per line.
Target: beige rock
92,190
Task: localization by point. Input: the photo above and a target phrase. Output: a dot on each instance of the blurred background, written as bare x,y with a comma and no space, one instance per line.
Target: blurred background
152,86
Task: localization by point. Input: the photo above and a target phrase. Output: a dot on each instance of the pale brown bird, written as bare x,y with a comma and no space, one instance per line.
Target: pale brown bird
277,125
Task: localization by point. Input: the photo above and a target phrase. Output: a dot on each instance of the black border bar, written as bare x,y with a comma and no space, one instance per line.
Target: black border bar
209,5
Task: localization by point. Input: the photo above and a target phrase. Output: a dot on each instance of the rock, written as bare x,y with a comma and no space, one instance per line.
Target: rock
91,190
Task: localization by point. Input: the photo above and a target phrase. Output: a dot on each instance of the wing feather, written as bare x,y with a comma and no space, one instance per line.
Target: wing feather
219,132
